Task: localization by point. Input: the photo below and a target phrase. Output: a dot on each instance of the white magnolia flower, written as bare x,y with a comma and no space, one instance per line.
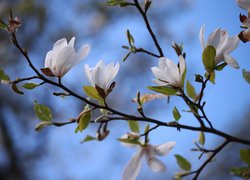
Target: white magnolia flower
223,44
63,56
168,73
244,4
150,152
102,75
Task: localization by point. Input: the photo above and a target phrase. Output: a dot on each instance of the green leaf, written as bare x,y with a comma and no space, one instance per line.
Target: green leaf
208,57
42,112
163,90
221,66
176,114
212,76
246,75
190,90
202,138
3,25
84,120
243,172
131,40
121,3
183,163
134,126
245,156
92,92
87,139
4,76
147,128
29,86
129,141
43,124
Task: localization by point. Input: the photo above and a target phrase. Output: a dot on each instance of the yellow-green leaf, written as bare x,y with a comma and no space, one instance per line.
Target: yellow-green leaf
245,156
42,112
92,92
163,90
190,90
29,86
243,172
176,114
208,57
147,128
134,126
246,75
129,141
84,120
182,162
87,139
202,138
4,76
42,124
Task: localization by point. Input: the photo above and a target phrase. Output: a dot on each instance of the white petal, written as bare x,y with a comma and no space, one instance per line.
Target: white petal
98,74
159,73
164,149
182,64
160,83
72,42
232,43
65,60
156,165
48,59
61,43
173,75
201,36
214,38
88,72
162,63
231,61
110,73
244,4
132,170
83,52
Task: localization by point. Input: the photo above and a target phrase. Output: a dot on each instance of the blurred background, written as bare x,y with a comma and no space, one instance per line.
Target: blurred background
56,153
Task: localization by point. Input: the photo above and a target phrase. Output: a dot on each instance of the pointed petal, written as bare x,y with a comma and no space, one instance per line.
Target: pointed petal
182,64
173,75
132,170
214,38
201,36
231,61
110,73
88,72
83,52
48,59
72,42
160,83
162,62
61,43
232,43
164,149
159,73
156,165
98,74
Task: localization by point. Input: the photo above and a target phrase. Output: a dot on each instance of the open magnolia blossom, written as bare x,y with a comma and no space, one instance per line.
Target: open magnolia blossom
244,4
223,44
168,73
102,75
150,152
63,56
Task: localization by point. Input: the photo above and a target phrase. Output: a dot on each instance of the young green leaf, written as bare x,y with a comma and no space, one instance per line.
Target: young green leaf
245,156
202,138
246,75
30,86
92,93
42,124
183,163
121,3
3,25
131,40
176,114
4,76
87,139
42,112
163,90
221,66
208,57
147,128
243,172
84,120
190,90
134,126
